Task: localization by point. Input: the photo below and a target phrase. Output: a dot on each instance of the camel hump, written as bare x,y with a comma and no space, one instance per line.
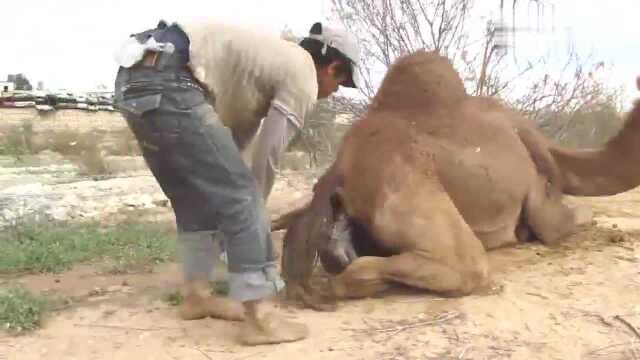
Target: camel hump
421,79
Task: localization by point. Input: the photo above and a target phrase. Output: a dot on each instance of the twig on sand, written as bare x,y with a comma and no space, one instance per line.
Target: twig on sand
439,320
203,353
420,300
600,351
442,318
464,352
603,320
628,325
254,354
124,327
538,295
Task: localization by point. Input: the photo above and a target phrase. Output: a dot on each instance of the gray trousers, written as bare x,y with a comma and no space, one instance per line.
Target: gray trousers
197,164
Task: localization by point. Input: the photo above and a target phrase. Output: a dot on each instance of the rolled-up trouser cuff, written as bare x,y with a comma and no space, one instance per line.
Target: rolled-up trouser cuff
197,252
255,285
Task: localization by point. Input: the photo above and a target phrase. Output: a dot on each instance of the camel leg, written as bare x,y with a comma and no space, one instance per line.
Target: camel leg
369,275
550,219
441,252
432,245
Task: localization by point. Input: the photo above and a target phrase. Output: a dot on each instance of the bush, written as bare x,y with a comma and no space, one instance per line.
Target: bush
21,311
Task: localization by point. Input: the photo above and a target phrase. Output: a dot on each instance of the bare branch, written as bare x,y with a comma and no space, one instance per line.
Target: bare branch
391,28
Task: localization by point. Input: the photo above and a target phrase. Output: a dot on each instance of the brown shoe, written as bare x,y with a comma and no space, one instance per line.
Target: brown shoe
199,304
270,328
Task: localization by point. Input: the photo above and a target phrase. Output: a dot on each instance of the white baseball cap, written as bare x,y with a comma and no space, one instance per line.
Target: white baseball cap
342,41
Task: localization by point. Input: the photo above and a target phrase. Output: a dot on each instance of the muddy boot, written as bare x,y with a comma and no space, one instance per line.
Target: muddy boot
199,303
269,328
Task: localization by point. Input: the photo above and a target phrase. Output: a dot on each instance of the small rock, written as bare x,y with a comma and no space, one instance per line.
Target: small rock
109,312
57,281
138,201
98,298
119,288
58,213
96,292
618,238
125,283
161,203
115,288
614,226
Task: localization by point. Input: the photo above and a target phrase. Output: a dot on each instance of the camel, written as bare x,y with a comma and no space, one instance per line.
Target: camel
430,178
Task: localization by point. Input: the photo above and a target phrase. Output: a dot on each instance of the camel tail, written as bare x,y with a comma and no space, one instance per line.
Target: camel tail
613,169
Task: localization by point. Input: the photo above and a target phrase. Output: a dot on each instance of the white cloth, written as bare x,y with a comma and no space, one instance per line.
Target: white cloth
131,51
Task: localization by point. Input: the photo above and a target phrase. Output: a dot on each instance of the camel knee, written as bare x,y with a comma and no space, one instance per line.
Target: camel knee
468,278
474,277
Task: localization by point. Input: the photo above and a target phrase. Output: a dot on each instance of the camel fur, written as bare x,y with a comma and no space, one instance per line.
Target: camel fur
431,178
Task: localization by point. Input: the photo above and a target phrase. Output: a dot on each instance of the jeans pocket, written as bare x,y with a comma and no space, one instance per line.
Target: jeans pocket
139,105
156,126
184,97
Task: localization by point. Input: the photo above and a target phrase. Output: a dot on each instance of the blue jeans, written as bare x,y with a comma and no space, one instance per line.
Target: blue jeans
197,164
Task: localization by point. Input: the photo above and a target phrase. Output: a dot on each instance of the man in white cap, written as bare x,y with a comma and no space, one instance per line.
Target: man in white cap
195,96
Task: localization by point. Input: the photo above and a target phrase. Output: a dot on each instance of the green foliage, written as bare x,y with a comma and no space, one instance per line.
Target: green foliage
173,298
22,311
43,248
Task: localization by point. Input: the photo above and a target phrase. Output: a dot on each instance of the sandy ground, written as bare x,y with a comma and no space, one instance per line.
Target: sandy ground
578,301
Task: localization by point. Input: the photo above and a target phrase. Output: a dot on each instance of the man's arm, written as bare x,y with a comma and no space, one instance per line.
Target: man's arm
278,128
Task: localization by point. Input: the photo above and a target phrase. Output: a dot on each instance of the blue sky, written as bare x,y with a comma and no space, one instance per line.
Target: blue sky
69,43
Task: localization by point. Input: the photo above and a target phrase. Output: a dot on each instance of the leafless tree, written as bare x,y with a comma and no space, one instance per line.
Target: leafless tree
388,29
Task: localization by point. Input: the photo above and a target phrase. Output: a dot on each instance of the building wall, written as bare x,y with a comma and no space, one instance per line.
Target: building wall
6,86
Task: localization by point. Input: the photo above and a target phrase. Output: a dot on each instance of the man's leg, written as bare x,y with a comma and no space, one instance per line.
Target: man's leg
198,250
223,179
156,125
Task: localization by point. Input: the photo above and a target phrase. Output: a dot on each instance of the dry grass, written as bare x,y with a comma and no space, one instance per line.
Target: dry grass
85,149
81,149
14,141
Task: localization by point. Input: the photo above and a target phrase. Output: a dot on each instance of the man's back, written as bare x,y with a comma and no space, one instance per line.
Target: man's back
246,70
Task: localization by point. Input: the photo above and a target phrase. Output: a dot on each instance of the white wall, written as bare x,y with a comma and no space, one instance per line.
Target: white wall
9,86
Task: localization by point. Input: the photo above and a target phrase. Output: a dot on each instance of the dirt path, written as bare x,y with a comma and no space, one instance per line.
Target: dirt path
579,301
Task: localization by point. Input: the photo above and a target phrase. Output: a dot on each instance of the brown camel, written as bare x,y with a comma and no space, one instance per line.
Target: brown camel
430,178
